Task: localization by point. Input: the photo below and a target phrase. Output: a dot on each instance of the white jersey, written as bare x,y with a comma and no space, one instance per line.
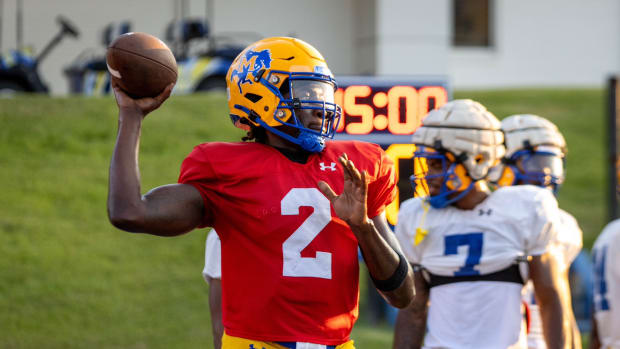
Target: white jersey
606,256
511,222
213,257
568,243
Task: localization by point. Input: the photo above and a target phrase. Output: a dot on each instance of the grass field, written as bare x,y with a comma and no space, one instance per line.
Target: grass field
68,279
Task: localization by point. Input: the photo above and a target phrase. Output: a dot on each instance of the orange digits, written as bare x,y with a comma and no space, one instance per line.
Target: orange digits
365,126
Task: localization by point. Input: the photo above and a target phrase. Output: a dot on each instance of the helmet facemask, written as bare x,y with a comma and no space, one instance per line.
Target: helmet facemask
541,166
439,168
535,153
309,93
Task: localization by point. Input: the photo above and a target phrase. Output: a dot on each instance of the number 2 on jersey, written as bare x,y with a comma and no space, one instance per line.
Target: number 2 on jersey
474,242
294,264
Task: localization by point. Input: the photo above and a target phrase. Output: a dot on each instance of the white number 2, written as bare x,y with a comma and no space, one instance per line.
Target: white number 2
294,264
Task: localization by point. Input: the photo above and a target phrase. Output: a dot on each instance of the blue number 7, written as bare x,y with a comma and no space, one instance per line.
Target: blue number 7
474,241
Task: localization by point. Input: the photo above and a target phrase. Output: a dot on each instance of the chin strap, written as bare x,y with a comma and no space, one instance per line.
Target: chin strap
441,200
307,141
311,142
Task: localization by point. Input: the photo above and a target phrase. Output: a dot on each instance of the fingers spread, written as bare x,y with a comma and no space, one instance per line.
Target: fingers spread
350,171
327,190
364,180
354,171
345,167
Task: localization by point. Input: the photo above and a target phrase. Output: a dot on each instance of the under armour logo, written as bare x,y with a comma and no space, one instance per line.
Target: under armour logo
482,212
331,167
253,347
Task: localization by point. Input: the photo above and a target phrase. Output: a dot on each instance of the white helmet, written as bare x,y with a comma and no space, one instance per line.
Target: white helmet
466,138
535,151
467,130
526,130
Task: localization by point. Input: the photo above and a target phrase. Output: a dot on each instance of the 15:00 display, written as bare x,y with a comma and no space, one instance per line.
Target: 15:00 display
398,110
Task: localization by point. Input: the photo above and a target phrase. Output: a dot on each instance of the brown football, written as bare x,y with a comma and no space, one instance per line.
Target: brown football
141,64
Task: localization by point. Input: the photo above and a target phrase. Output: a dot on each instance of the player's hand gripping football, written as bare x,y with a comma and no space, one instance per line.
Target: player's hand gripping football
142,105
350,206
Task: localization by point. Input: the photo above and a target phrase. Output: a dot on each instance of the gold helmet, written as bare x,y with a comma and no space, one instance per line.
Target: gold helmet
275,77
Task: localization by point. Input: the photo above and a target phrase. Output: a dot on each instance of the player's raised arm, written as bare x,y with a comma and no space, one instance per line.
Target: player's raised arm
386,264
168,210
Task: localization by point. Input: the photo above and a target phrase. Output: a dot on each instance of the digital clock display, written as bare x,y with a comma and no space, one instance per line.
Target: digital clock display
387,111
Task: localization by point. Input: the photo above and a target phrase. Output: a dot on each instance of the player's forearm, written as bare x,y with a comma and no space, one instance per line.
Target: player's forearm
556,327
124,199
553,297
215,307
410,326
383,264
575,333
381,259
576,340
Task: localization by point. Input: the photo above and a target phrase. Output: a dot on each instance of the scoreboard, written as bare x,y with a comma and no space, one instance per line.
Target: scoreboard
387,111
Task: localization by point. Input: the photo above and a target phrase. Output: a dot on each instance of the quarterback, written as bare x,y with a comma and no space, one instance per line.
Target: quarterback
535,152
471,245
290,206
606,318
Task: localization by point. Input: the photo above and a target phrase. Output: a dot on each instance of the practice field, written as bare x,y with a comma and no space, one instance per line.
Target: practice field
68,279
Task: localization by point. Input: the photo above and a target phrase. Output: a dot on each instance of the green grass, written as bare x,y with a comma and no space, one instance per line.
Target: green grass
68,279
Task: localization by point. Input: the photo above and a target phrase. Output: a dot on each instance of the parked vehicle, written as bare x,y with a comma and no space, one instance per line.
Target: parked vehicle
19,69
202,59
88,73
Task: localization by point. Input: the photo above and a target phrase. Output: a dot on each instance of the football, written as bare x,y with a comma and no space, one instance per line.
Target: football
141,64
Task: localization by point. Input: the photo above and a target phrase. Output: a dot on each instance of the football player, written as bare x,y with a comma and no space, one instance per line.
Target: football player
212,273
535,153
289,241
470,244
606,317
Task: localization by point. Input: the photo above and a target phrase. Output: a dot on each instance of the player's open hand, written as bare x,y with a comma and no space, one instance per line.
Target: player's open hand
142,105
350,206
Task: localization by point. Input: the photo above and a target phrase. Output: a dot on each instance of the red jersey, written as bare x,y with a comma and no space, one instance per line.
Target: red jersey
289,264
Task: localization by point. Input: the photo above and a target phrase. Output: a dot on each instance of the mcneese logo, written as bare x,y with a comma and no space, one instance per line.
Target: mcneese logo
250,63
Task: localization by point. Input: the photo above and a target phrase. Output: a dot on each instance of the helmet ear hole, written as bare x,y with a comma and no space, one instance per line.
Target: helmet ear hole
464,180
507,177
253,97
285,88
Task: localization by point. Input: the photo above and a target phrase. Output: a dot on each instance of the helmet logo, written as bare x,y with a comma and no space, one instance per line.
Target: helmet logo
251,62
322,70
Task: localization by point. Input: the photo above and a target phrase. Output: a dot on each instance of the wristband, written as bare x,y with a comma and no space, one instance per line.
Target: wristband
397,278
